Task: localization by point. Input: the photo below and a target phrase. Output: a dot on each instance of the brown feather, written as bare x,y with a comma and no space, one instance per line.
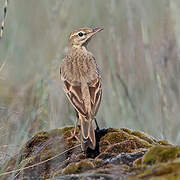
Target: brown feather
82,83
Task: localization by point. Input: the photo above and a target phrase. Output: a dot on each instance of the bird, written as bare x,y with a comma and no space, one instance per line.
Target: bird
82,84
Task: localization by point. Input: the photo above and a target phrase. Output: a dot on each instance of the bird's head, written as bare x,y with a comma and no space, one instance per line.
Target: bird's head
82,36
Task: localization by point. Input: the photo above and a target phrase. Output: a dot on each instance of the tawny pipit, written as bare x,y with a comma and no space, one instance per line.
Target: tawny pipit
82,83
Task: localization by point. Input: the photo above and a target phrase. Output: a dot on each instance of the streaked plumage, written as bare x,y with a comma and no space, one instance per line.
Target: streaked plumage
82,82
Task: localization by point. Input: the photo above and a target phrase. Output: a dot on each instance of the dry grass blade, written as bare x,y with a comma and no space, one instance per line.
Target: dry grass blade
3,65
1,68
7,145
21,169
4,18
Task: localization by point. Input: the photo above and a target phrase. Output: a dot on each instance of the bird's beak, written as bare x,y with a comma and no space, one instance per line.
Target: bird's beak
95,30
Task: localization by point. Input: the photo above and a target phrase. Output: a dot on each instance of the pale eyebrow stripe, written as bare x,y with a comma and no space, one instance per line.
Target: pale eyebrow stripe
76,34
72,35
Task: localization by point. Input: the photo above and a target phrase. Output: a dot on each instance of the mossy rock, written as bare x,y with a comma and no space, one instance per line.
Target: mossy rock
160,153
160,171
122,152
133,139
160,162
78,167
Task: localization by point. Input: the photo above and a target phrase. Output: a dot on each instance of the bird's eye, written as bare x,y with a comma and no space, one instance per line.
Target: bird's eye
80,34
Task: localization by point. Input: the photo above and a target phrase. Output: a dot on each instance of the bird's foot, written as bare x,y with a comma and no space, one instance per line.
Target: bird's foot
74,135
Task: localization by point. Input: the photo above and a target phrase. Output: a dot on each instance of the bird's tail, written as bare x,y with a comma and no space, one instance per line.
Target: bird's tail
88,134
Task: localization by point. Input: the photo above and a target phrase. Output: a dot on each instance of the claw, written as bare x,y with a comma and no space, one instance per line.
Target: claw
74,135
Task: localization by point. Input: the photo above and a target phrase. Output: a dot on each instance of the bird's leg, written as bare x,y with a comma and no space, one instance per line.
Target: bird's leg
97,126
74,133
76,126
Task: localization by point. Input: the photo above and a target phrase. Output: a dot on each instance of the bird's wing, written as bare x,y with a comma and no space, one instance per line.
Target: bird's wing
95,90
73,91
75,96
85,97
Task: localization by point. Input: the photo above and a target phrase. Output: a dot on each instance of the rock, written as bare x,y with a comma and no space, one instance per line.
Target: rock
120,154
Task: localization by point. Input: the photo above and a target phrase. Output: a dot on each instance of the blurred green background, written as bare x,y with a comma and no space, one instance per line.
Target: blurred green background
138,53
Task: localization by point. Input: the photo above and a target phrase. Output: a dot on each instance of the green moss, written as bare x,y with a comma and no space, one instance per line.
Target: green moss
45,145
160,171
78,167
112,138
60,131
144,137
165,170
115,137
126,130
26,161
47,154
137,163
42,133
123,135
165,143
127,146
161,154
140,143
97,162
112,130
55,132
